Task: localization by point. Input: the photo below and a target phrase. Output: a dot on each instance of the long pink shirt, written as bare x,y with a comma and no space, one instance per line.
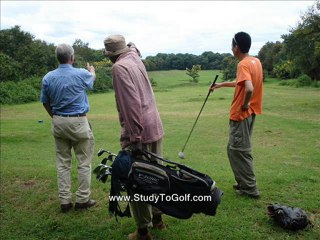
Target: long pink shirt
138,113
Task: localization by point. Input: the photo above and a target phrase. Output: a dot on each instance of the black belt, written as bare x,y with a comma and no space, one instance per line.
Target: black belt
75,115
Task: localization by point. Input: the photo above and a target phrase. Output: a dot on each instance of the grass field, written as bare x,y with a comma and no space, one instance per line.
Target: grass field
286,149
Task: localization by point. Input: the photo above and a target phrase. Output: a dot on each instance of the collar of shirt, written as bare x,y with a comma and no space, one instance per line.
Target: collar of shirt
65,65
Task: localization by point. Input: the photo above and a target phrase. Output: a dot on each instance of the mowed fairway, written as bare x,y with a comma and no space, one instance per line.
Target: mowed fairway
286,149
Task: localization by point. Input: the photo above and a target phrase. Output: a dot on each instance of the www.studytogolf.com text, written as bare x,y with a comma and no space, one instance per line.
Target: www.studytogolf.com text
161,197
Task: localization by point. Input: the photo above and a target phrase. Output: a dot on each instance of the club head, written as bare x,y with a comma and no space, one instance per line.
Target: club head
103,178
181,155
104,161
103,169
101,151
97,169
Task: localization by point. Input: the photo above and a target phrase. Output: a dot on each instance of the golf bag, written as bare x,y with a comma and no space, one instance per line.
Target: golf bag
175,189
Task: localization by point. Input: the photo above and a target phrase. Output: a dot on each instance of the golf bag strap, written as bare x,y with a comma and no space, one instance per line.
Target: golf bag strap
147,154
125,213
114,207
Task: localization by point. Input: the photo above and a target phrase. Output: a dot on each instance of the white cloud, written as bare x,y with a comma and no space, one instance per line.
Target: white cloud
155,26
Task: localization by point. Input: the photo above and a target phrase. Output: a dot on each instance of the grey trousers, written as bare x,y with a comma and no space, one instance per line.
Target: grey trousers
240,156
143,212
76,133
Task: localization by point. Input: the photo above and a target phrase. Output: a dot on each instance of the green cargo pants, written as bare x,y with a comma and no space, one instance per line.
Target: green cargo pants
240,156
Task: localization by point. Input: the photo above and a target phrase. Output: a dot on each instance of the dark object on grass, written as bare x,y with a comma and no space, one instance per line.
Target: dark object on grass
288,217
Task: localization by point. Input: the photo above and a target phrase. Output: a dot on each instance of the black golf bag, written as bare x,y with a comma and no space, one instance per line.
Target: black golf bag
175,189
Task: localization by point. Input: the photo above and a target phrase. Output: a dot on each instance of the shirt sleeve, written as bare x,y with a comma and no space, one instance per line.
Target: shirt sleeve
243,74
88,79
128,102
44,98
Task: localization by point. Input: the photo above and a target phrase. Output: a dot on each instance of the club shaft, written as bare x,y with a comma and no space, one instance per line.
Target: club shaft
200,112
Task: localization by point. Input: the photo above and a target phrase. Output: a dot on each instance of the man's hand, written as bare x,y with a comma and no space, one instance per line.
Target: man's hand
136,148
91,69
216,85
245,107
132,45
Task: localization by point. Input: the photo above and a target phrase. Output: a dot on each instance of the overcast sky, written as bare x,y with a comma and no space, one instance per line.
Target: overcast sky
156,26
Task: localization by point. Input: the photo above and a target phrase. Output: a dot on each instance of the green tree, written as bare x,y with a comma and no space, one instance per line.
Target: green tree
303,42
270,55
84,54
229,67
194,72
9,68
34,57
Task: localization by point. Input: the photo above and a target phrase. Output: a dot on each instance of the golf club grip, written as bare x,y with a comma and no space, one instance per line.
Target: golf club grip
214,82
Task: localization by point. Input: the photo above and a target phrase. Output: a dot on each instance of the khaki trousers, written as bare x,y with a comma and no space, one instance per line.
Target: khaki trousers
76,133
143,212
240,156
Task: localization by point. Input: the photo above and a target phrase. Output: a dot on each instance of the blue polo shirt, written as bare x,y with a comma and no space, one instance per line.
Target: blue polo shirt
65,89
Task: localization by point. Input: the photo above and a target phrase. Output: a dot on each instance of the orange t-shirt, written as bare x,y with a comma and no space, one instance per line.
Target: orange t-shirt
249,69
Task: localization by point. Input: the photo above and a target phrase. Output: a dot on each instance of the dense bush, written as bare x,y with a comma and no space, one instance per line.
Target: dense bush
303,81
9,68
20,92
103,82
104,79
286,70
29,90
153,82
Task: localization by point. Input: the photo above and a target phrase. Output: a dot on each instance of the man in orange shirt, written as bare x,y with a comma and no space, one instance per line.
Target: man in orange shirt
246,104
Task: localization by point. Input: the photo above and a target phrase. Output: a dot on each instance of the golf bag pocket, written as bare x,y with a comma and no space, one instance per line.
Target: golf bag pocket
192,182
148,178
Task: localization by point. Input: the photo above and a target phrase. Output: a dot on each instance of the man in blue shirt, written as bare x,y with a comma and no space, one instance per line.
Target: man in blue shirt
64,97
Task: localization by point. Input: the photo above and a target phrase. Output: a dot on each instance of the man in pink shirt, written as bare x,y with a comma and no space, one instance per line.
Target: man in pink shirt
138,115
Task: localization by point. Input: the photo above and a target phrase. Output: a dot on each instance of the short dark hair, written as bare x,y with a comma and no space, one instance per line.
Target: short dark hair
243,40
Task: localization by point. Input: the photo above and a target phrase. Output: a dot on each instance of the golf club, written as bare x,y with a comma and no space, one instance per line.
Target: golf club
102,151
100,167
109,158
181,154
104,177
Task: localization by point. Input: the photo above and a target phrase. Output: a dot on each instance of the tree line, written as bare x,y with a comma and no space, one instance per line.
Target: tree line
299,53
24,60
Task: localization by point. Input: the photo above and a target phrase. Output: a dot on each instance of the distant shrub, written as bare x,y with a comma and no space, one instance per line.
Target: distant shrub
153,82
194,73
285,70
303,81
29,90
103,82
35,82
315,84
20,92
